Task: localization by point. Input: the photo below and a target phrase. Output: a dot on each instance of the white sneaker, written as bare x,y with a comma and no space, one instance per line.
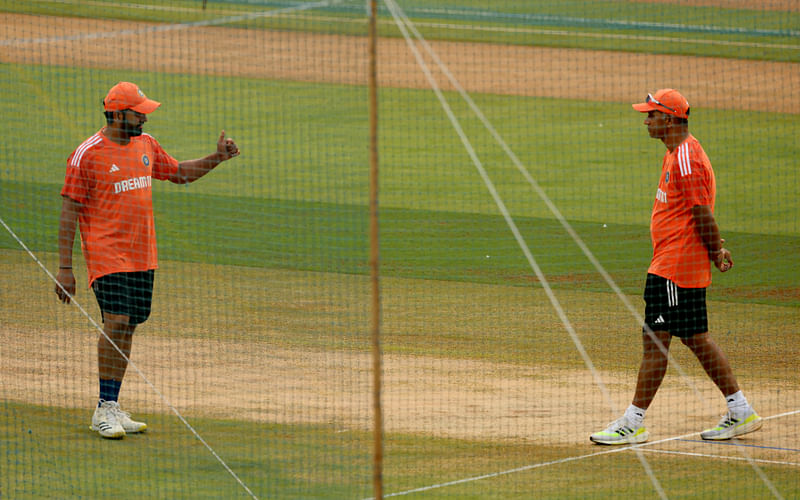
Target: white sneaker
106,422
124,418
730,426
621,431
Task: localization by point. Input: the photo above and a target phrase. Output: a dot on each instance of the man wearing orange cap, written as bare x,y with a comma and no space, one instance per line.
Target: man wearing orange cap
107,191
686,240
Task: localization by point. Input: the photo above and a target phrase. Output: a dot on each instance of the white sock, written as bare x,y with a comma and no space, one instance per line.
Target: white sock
737,403
635,415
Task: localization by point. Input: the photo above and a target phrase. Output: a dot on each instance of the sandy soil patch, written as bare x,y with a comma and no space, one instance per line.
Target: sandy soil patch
535,71
425,395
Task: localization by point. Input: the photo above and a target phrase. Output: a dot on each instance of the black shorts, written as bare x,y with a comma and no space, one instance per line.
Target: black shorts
670,308
129,294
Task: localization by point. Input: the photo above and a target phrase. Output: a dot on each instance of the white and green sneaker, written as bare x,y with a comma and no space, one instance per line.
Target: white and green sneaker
124,418
621,432
105,421
730,426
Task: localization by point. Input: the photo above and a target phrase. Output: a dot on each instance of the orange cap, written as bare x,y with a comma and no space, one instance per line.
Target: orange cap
126,95
668,101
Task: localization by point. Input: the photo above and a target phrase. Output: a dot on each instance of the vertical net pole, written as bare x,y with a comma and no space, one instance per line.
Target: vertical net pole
373,254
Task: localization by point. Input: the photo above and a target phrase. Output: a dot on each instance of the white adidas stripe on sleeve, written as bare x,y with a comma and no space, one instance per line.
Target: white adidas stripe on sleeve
87,144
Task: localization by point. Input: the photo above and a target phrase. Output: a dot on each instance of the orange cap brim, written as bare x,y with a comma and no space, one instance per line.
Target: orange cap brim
651,106
647,106
146,106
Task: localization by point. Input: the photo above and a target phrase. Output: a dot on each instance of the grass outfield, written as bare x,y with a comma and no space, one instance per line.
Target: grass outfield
50,453
607,25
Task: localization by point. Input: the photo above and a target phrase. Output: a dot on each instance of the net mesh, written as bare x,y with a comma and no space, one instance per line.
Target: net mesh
516,188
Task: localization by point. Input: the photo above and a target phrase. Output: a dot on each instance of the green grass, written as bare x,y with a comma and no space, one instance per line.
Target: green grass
457,246
644,27
49,453
677,477
305,142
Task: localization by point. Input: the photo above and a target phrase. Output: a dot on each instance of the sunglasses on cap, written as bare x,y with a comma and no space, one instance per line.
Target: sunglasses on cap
652,99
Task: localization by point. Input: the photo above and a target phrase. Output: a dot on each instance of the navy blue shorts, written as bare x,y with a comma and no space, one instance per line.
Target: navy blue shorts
670,308
128,294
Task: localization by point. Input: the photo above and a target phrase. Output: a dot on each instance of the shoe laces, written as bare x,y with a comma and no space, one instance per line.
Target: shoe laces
118,411
621,424
727,420
111,410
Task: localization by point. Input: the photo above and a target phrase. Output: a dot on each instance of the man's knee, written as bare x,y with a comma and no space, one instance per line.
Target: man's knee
655,343
697,341
118,327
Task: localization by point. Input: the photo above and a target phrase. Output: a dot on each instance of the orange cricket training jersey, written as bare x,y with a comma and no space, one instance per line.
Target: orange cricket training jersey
687,180
113,185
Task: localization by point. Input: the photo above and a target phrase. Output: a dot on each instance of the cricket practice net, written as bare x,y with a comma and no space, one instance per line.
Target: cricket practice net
424,274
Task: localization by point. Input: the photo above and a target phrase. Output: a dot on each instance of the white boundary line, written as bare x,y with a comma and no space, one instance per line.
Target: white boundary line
722,457
130,363
616,23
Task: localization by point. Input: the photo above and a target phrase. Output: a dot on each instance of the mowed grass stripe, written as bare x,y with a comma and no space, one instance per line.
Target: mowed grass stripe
434,245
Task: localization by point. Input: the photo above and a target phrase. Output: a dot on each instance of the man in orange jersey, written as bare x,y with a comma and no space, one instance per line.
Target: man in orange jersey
686,240
107,191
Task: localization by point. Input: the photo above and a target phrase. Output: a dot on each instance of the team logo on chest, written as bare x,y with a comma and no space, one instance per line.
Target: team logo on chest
145,160
666,179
